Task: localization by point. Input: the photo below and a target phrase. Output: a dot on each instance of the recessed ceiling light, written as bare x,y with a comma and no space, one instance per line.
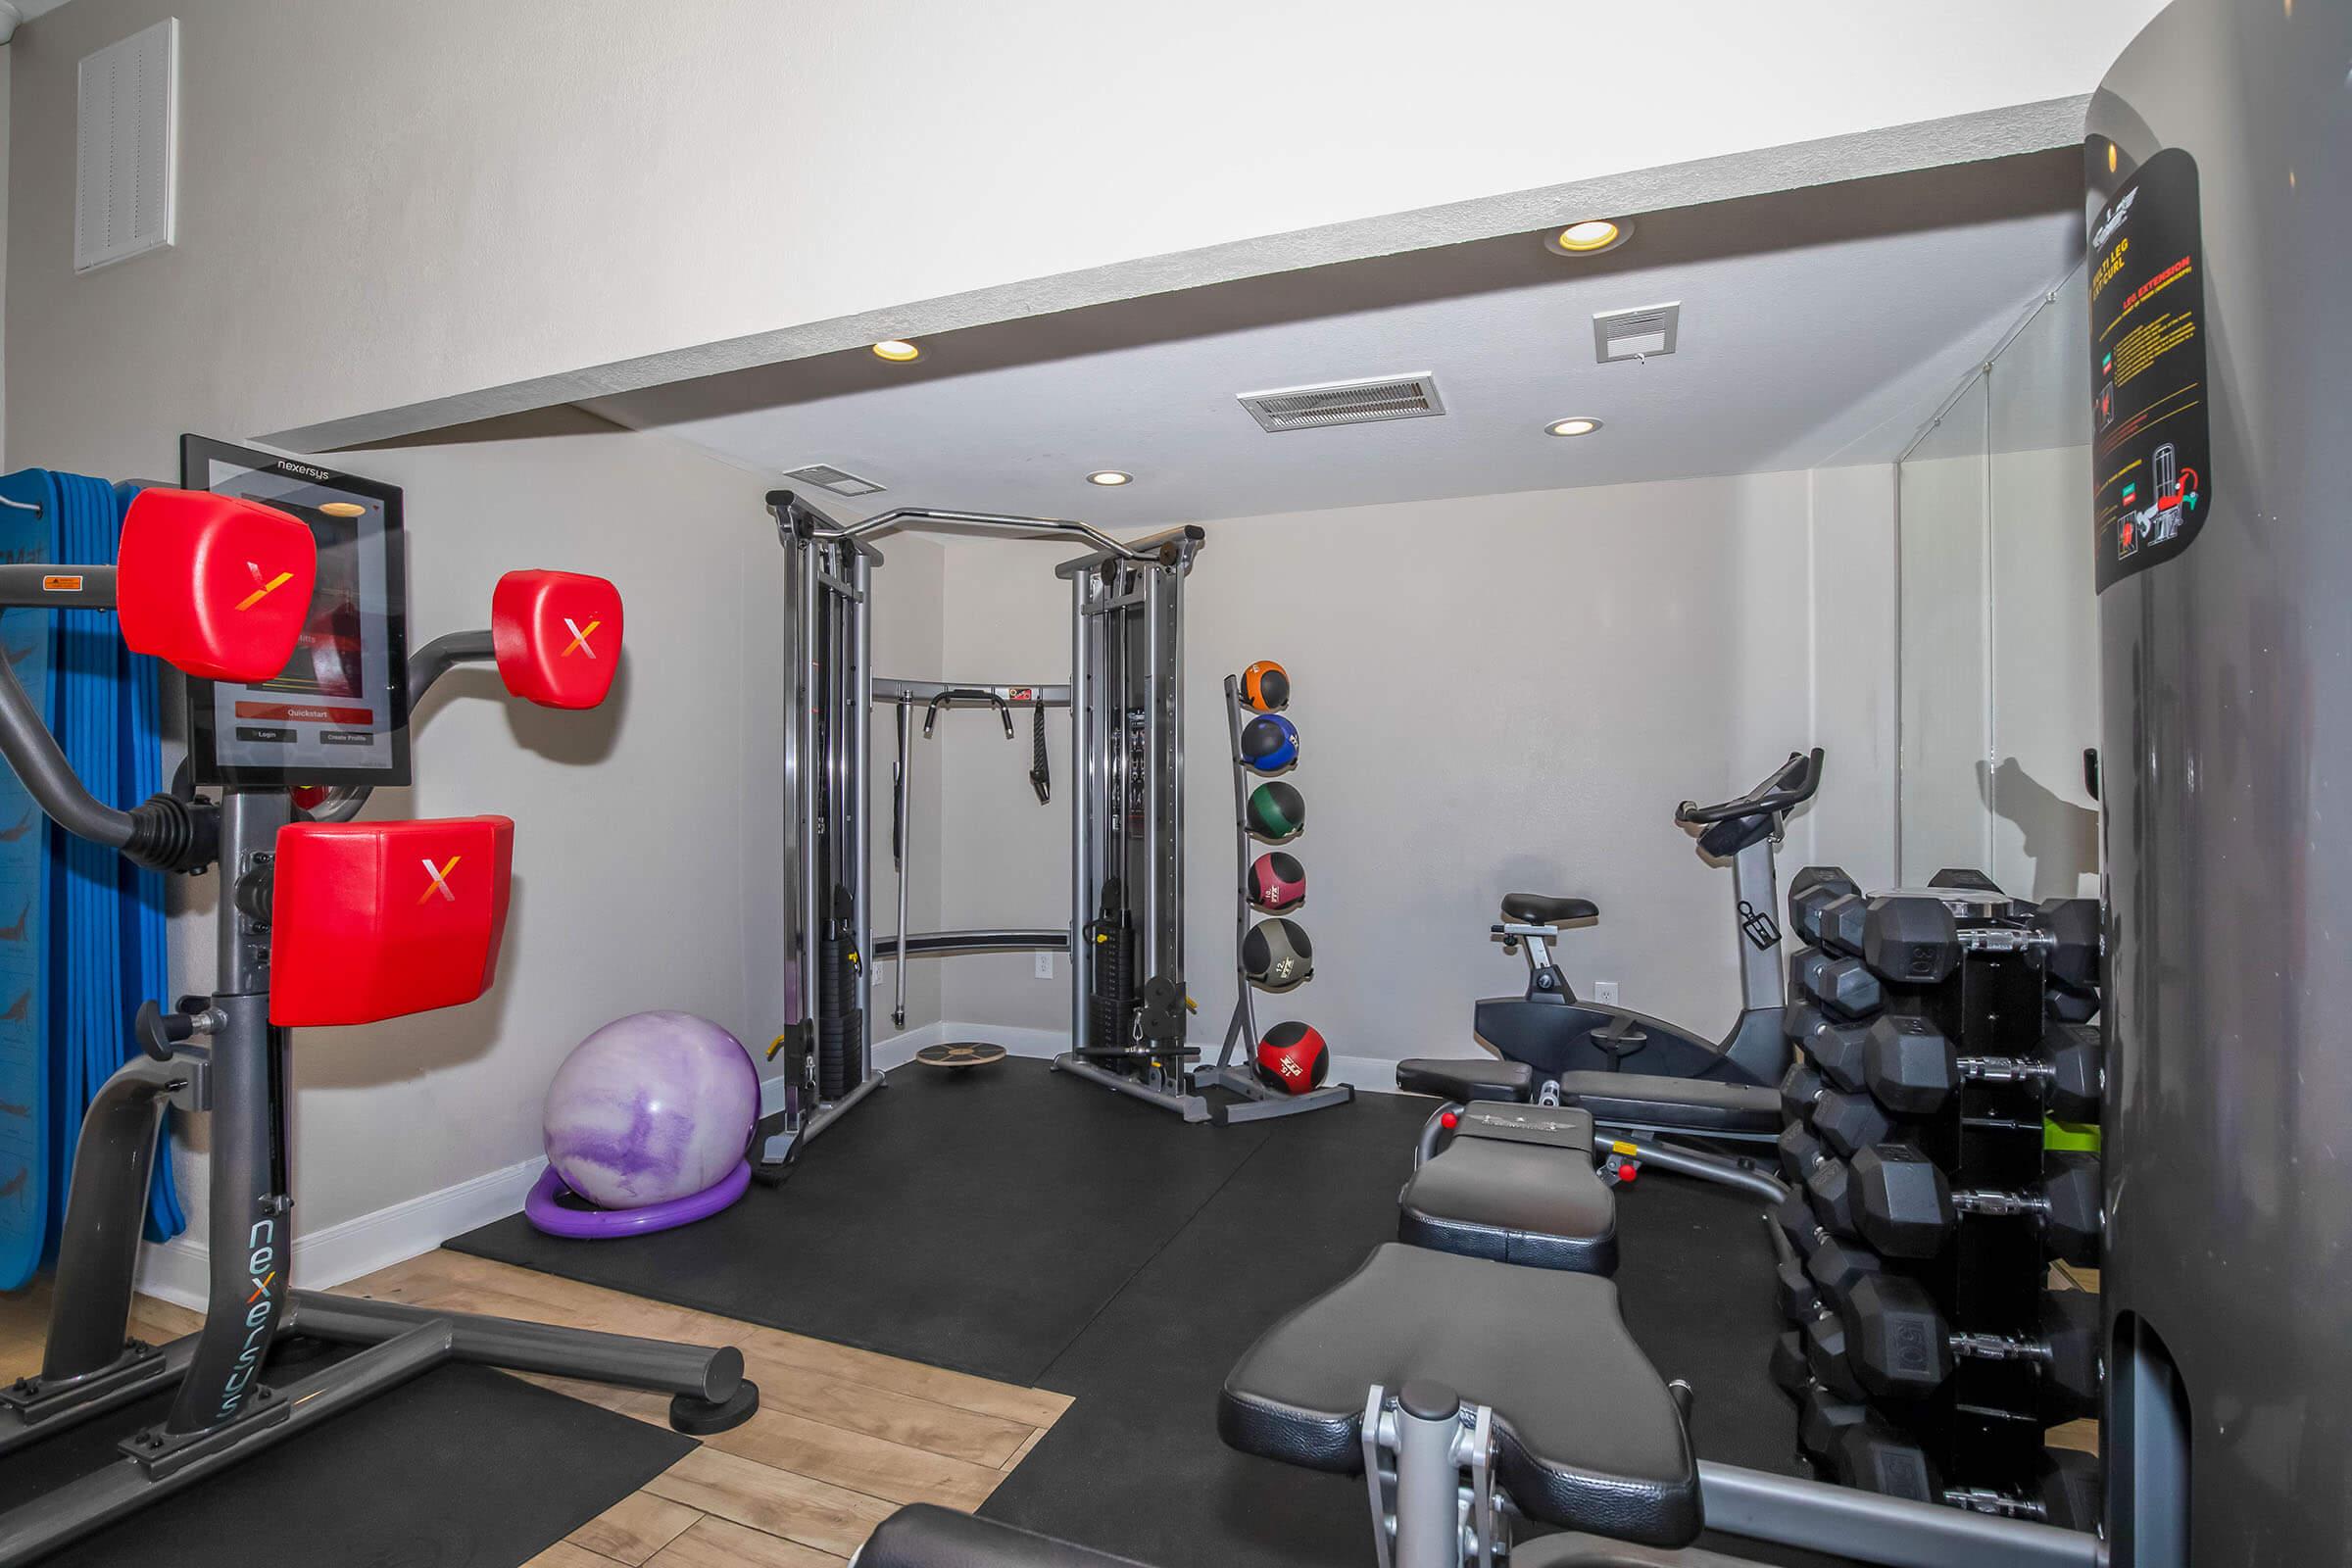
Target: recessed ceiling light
1589,237
1580,426
897,350
1109,476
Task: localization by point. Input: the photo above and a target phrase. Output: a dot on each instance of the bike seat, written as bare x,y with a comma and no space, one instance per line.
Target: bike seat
1535,908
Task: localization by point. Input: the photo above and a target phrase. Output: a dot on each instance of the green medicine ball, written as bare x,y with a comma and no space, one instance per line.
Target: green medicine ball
1277,811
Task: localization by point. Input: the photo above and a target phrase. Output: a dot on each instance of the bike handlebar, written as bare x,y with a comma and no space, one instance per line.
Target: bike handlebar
1788,786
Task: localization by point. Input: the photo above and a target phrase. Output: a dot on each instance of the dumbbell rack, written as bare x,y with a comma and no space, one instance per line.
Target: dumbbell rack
1232,1069
1969,965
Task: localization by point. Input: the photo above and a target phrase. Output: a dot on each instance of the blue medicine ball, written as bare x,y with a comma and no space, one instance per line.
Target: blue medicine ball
1270,743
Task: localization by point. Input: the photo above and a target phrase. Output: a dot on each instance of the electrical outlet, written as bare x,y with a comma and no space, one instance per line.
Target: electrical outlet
1044,966
1605,992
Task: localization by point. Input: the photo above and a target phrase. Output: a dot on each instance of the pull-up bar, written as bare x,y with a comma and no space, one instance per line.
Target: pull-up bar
903,516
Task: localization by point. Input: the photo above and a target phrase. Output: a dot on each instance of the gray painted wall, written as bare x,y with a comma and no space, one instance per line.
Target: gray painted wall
647,846
524,191
1502,693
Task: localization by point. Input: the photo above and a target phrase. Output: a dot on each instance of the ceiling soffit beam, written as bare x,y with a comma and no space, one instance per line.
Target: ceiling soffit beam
1890,150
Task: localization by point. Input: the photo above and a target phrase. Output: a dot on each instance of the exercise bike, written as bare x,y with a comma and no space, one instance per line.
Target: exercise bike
1554,1031
1556,1048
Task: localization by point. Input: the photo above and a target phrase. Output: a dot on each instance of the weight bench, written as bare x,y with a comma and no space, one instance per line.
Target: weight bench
1618,1103
1647,1101
1514,1185
1421,1366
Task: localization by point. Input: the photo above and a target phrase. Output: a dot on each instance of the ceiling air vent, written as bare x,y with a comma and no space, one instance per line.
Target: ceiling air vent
1641,333
838,480
1309,407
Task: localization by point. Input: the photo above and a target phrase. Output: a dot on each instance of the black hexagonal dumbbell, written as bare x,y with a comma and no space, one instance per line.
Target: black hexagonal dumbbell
2074,946
1824,1266
1897,1345
1912,1069
1800,1151
1811,889
1801,1086
1837,1265
1789,1370
1821,1416
1798,1297
1844,987
1905,1207
1850,1123
2065,1007
1831,1194
1911,940
1826,1355
1843,922
1870,1453
1833,1045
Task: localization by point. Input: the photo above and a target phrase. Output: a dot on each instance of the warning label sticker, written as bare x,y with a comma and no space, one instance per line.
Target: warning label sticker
2151,451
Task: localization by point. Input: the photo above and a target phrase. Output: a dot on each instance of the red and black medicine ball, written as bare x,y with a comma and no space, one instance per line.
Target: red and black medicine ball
1277,882
1293,1057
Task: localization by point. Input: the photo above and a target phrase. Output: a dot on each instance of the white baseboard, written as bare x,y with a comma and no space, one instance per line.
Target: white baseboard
178,1270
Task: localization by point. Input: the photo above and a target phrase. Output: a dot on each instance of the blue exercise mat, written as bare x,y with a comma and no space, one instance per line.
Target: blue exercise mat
91,942
28,508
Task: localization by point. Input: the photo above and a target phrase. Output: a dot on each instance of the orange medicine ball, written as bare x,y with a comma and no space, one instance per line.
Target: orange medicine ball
1266,686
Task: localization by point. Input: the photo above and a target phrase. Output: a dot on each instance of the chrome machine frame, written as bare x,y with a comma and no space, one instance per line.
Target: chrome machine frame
1128,1004
1127,641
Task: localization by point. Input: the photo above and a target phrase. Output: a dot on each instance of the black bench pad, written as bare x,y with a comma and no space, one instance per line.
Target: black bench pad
1466,1077
1587,1437
1512,1201
1692,1104
923,1536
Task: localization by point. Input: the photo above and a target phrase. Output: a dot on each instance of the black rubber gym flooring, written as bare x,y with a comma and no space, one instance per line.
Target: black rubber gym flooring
463,1466
1033,1228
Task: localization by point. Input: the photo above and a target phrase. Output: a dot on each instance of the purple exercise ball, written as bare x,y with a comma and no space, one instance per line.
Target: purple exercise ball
652,1108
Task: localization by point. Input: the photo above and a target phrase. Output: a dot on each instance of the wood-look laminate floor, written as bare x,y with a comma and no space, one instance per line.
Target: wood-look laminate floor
841,1438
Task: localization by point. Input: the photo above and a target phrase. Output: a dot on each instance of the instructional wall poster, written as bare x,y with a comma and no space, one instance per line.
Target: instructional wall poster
2151,451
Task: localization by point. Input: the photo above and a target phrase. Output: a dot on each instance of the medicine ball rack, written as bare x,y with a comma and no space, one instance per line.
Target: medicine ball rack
1232,1071
1126,927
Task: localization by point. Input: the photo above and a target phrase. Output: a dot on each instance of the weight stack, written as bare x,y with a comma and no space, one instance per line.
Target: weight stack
839,1023
1934,1032
1110,982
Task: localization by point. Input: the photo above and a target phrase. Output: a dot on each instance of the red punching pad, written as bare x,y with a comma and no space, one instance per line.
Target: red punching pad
376,919
556,635
214,585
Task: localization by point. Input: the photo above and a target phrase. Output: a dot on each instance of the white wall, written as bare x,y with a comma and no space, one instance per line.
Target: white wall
1496,694
525,190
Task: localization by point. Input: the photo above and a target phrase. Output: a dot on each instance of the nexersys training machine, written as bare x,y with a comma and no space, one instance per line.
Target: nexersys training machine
319,923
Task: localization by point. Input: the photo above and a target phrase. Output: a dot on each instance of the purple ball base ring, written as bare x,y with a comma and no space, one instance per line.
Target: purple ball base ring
546,1209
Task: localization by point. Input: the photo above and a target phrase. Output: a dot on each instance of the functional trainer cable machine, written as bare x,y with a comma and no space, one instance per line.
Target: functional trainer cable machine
1126,928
